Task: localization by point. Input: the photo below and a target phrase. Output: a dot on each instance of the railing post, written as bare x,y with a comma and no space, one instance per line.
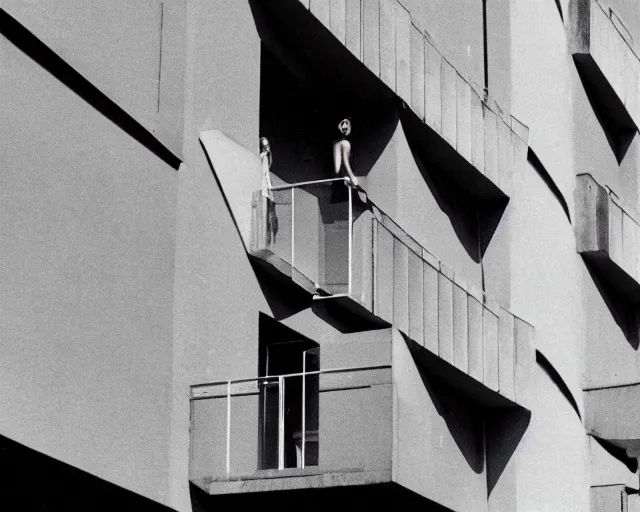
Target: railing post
293,229
350,236
304,405
280,422
228,427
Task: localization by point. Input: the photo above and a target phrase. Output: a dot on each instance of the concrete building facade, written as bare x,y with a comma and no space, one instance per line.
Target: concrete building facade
460,333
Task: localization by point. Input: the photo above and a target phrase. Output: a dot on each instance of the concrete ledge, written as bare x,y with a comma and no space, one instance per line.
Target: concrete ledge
607,236
607,62
613,414
292,479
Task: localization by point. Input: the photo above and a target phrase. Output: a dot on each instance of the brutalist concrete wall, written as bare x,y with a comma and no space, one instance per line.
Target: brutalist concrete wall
88,256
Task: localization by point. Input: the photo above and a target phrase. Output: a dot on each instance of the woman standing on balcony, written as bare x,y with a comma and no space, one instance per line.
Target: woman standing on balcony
342,151
272,220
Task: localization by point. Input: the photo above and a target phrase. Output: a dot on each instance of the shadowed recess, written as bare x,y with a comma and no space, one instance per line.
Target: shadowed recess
623,304
504,431
300,120
333,83
464,419
60,486
486,427
618,453
555,377
35,49
616,123
533,159
285,297
472,202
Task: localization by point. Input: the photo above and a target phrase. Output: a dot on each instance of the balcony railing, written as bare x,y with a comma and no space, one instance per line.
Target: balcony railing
334,420
372,268
306,232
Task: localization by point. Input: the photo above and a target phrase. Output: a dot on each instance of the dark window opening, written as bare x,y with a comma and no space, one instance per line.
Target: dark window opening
289,404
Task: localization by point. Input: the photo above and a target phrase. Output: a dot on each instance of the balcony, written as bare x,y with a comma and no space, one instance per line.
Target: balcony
352,257
292,431
369,55
608,65
608,237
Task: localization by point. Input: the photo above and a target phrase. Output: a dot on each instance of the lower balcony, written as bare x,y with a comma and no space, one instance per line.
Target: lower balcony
316,429
386,433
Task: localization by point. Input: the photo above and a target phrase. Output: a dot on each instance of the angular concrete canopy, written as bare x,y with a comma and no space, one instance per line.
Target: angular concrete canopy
613,414
607,236
238,173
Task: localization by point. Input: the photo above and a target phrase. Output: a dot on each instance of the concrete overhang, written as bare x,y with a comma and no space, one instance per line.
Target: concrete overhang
608,236
607,62
613,414
465,145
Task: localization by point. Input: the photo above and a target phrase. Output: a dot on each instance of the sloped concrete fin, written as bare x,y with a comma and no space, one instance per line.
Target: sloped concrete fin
238,173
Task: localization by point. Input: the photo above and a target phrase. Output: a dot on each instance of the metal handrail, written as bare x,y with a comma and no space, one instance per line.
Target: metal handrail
281,391
299,374
306,183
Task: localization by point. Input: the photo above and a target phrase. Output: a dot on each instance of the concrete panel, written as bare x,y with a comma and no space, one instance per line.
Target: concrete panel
306,238
506,354
403,53
353,32
439,433
400,286
616,250
608,498
525,360
463,117
476,358
477,132
388,43
607,470
445,318
491,168
431,303
363,260
432,87
338,19
490,348
371,35
416,304
629,244
305,3
449,114
460,329
321,9
417,71
87,296
239,173
220,106
505,156
383,281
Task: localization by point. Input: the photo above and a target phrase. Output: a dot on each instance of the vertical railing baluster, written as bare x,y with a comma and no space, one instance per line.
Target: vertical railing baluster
228,428
304,405
350,237
293,230
280,422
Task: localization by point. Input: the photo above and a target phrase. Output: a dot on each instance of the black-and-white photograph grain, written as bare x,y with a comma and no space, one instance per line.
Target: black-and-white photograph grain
319,255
